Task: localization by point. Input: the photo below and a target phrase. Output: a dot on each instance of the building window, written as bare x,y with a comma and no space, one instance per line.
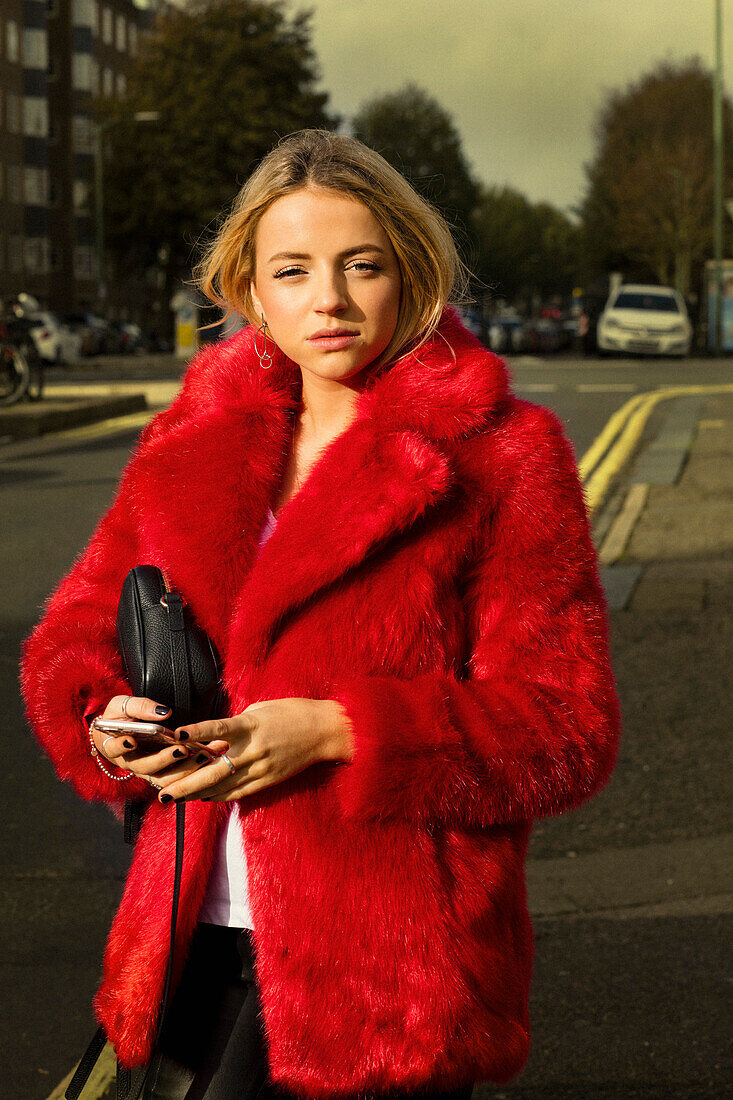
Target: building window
81,13
35,254
132,34
15,252
12,40
35,48
82,136
121,84
13,108
15,192
120,33
35,116
106,26
107,82
84,261
81,196
81,72
36,186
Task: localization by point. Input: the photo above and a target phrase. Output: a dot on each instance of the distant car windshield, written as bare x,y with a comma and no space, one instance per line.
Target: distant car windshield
664,303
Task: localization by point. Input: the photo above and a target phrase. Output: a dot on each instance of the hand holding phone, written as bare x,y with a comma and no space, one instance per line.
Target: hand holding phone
149,735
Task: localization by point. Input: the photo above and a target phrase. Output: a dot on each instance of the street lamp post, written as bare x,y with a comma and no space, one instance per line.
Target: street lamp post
99,130
718,174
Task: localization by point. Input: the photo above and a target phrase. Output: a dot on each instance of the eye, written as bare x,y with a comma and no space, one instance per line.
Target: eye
365,265
288,271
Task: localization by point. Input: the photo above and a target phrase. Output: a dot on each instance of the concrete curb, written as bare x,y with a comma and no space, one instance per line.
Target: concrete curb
32,419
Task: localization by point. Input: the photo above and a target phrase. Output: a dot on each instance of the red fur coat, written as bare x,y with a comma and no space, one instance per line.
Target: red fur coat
435,575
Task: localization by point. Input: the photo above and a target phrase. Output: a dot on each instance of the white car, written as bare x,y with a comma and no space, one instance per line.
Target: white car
647,320
56,342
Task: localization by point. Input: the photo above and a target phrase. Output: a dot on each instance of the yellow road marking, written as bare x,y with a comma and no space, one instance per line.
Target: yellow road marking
621,436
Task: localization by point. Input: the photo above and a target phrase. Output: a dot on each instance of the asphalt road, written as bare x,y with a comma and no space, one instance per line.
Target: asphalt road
620,1008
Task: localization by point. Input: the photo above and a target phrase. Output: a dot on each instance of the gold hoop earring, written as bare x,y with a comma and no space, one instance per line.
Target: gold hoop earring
264,356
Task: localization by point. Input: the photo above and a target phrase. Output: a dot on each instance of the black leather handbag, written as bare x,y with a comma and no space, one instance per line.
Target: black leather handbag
168,658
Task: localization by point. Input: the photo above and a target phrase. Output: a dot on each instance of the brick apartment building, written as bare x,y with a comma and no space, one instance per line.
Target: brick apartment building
55,56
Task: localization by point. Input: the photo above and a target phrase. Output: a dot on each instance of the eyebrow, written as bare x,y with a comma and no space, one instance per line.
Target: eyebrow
306,255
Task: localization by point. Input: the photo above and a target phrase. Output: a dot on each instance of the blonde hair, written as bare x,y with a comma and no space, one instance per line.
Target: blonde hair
431,269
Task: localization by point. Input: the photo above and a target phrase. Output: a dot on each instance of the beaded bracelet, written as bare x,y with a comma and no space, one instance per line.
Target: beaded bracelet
97,757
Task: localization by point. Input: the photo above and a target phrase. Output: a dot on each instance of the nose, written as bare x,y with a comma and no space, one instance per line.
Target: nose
331,293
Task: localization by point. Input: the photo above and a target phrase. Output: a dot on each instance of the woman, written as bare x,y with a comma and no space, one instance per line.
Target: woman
391,553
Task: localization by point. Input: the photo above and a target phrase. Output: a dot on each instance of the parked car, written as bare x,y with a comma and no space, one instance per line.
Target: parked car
130,338
645,320
543,336
89,334
56,342
506,334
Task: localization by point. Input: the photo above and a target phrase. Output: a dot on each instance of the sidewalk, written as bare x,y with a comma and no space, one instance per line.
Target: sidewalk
631,895
67,405
668,806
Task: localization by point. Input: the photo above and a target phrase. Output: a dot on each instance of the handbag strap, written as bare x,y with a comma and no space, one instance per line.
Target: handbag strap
129,1088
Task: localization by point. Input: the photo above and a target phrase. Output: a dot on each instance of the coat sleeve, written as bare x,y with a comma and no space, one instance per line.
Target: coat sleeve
531,728
70,663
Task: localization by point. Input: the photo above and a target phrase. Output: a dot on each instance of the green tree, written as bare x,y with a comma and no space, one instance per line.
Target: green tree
228,79
417,136
648,208
524,249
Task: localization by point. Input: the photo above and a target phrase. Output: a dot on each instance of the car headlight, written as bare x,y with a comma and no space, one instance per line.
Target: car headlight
610,322
678,330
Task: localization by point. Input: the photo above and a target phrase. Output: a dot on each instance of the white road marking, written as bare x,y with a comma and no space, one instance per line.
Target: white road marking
606,387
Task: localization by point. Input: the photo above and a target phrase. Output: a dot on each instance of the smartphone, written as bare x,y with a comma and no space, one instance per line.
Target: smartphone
146,733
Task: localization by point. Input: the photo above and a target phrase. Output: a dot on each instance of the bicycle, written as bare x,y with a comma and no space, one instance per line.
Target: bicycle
21,369
14,375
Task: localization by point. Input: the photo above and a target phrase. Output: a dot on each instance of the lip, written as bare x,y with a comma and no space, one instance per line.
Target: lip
332,332
333,338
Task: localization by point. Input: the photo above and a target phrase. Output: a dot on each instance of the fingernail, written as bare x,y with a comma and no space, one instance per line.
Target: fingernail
183,735
202,758
179,753
205,800
128,744
165,798
162,710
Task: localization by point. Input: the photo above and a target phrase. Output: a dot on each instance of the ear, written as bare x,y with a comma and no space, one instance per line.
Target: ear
255,300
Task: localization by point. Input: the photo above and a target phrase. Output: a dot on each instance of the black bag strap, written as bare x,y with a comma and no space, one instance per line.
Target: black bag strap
129,1084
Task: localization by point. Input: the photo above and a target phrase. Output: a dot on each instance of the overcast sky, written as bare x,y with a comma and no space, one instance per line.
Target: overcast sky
522,79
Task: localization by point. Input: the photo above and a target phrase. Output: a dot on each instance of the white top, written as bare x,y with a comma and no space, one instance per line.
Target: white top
227,894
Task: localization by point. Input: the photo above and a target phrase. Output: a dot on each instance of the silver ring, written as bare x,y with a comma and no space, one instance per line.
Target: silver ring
125,701
231,767
152,783
110,737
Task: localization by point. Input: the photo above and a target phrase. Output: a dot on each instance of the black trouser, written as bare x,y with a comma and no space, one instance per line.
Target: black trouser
212,1046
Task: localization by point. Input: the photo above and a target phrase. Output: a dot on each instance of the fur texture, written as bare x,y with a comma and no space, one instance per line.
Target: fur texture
435,575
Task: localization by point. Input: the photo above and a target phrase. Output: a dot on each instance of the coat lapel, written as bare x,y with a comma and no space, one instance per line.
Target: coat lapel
376,479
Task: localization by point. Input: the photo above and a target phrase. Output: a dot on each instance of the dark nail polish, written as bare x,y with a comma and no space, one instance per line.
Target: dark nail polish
202,758
128,744
205,800
162,710
165,798
183,735
179,753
